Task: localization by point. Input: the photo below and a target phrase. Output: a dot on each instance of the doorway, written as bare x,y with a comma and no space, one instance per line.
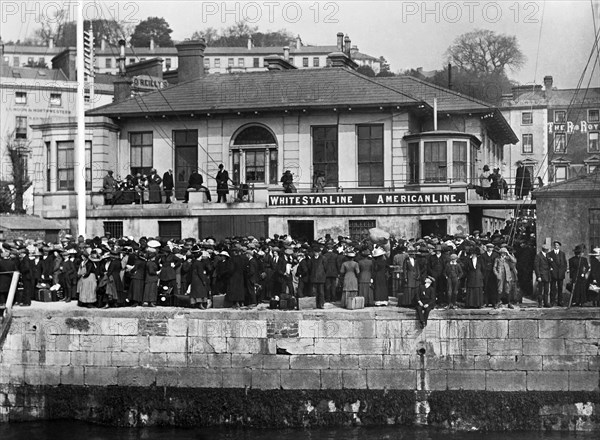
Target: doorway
437,227
302,230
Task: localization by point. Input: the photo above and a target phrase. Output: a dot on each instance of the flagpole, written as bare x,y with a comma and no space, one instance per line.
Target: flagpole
80,145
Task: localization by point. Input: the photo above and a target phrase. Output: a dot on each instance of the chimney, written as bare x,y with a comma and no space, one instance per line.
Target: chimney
275,62
353,51
249,42
298,42
50,43
152,43
122,89
151,67
190,55
340,59
548,80
121,59
286,53
347,45
103,43
450,76
340,41
67,62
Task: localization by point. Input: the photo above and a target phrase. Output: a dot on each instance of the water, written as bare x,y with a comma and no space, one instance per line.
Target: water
71,430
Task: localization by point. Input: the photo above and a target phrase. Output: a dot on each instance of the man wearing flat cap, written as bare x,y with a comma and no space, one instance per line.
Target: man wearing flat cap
558,272
541,267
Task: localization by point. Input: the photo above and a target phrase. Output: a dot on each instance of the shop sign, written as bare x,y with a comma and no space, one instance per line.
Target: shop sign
571,127
368,199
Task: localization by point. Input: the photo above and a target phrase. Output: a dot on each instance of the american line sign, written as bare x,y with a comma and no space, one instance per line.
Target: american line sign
367,199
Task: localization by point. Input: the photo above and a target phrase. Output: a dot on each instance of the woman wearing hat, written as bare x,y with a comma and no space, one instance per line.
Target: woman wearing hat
365,266
136,265
151,279
86,286
200,279
350,272
425,301
474,280
578,269
380,288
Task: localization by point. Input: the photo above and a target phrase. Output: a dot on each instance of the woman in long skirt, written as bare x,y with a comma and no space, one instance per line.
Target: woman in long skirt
365,266
380,287
350,271
151,281
578,269
86,286
138,274
474,283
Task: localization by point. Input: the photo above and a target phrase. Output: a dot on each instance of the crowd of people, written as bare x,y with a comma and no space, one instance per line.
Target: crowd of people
472,271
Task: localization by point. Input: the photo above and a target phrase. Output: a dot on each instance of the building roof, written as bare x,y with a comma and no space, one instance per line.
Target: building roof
7,71
27,222
270,90
581,185
451,101
558,98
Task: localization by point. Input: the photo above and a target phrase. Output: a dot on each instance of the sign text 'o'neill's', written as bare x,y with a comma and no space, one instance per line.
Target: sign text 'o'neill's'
367,199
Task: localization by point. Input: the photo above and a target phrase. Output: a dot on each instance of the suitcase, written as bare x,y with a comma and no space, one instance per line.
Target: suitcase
43,295
287,303
165,297
308,302
218,301
358,302
392,301
181,300
274,304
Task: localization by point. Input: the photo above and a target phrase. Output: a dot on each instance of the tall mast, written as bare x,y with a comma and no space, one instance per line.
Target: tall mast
80,144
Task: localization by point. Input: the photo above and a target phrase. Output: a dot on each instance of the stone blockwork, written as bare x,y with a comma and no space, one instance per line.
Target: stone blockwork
374,349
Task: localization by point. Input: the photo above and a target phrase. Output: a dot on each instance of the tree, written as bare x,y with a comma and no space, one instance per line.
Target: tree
385,68
52,27
17,151
366,70
484,51
488,87
155,28
210,34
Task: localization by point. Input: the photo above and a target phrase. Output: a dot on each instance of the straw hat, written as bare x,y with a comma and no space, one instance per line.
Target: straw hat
378,252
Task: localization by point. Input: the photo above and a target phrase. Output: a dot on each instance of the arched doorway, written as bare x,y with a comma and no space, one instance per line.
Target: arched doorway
254,155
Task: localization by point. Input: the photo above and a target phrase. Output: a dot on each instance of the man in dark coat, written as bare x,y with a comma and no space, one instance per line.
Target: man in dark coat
222,179
541,267
7,265
522,181
236,288
425,301
303,274
558,272
251,277
168,185
196,182
330,260
436,266
490,283
317,276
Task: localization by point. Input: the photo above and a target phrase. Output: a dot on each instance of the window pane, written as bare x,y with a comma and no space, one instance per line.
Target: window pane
435,161
593,142
325,153
370,155
413,162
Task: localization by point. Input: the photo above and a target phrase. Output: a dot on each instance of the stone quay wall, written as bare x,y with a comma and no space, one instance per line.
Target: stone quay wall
314,362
